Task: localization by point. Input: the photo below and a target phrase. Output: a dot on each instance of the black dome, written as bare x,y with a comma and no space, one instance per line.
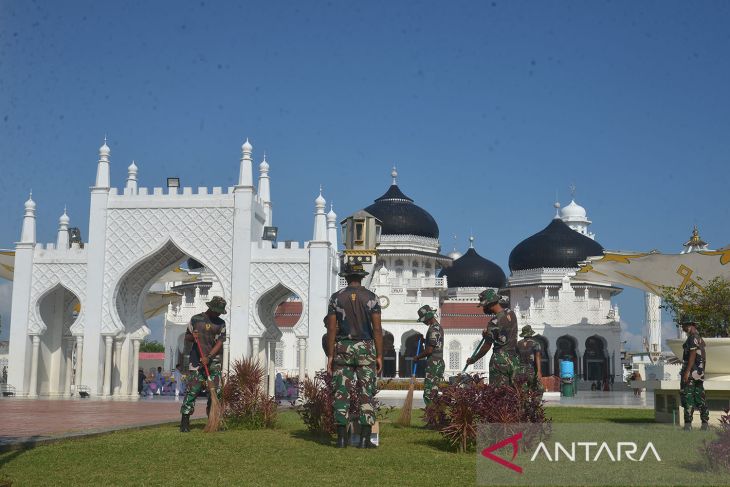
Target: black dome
473,270
556,246
400,216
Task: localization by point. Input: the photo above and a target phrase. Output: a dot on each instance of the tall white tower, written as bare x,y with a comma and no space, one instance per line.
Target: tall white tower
652,304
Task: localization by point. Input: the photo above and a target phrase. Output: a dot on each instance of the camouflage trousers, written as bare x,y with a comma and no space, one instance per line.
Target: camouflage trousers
434,376
502,368
195,382
692,396
354,365
526,376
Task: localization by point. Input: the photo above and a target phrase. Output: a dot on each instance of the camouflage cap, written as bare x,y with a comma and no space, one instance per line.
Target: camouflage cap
353,269
488,297
687,320
217,304
425,312
527,331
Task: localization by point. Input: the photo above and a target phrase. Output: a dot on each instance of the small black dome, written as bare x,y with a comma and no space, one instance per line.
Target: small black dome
555,246
400,216
473,270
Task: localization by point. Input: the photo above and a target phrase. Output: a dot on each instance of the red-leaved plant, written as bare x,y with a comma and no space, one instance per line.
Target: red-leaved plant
316,406
462,407
245,403
717,451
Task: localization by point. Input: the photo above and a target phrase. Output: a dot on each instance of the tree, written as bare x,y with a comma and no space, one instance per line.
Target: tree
151,346
707,303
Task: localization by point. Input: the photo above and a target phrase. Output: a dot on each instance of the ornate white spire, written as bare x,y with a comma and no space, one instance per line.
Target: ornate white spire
320,219
332,226
245,174
556,205
132,177
394,175
62,241
695,243
265,189
27,234
455,254
575,216
102,168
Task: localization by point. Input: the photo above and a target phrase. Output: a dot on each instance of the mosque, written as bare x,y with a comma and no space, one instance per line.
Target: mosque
80,309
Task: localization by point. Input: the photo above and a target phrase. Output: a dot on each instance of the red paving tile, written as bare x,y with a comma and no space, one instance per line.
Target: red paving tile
33,419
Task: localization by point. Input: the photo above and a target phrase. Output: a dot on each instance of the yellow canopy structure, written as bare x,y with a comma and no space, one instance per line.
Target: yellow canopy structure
651,271
156,302
7,264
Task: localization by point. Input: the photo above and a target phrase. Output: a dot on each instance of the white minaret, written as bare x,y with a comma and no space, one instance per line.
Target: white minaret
320,219
27,234
575,216
265,190
132,178
62,241
102,169
652,304
332,227
245,175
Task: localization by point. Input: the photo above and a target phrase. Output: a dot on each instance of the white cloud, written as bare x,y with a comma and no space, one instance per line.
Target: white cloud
633,340
6,293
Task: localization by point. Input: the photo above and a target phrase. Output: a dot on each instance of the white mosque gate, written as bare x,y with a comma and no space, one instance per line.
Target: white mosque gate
78,311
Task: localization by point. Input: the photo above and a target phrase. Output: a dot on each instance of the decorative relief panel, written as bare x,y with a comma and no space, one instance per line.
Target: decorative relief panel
48,276
137,234
264,279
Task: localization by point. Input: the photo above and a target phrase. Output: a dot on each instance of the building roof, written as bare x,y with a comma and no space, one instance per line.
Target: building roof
287,314
400,216
473,270
463,315
555,246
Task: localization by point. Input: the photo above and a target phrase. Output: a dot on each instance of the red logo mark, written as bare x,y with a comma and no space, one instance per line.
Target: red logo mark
513,440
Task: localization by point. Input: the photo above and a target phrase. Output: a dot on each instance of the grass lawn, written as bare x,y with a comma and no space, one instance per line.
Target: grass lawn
282,456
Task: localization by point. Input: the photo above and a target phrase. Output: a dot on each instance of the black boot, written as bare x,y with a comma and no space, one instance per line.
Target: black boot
365,432
341,436
207,407
185,423
705,426
687,426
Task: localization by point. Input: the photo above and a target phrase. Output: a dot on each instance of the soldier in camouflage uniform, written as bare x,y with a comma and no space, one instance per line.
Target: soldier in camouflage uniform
501,333
354,351
210,330
529,352
434,350
692,388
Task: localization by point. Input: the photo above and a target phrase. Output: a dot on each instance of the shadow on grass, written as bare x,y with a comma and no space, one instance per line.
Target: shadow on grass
629,420
439,444
310,437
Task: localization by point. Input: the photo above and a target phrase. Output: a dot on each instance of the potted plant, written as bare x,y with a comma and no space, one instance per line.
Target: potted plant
709,304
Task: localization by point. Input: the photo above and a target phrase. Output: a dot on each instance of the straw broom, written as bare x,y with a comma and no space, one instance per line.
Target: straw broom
405,413
214,418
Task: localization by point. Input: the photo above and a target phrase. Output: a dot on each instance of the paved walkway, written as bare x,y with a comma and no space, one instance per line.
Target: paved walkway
29,421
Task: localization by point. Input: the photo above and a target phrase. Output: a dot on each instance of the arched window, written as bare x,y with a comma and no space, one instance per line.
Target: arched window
454,355
479,364
427,274
414,273
415,263
399,263
279,355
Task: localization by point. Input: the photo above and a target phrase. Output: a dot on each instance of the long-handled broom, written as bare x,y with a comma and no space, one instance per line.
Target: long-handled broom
476,350
405,413
214,417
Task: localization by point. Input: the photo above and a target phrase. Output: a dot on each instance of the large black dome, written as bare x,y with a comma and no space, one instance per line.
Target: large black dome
473,270
556,246
400,216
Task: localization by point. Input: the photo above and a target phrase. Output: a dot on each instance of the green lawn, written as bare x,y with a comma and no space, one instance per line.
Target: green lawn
282,456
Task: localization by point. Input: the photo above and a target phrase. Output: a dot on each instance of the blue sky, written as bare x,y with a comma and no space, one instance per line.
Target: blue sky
487,108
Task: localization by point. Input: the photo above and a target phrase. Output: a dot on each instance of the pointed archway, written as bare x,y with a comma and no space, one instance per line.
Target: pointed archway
57,309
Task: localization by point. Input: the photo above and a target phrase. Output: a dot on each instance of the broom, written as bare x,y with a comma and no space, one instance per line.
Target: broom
476,350
214,417
405,413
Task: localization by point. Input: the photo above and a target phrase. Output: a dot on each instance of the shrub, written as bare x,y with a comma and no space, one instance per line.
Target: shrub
245,404
717,451
151,346
460,408
316,406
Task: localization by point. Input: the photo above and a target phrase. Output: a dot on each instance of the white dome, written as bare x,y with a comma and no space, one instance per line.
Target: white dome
573,212
455,254
247,147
